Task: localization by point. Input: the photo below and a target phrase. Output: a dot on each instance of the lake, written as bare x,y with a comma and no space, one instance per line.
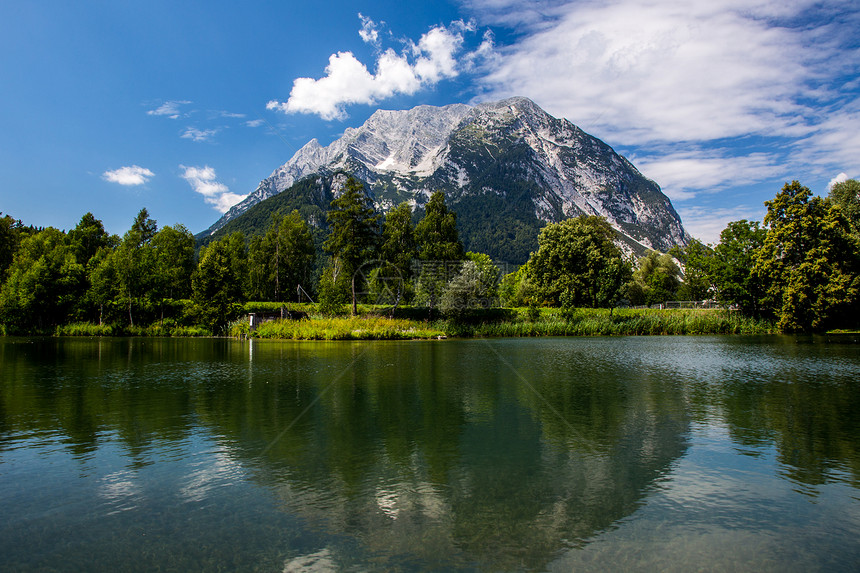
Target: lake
558,454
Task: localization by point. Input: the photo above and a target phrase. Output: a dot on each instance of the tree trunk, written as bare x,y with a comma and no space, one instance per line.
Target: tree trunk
354,306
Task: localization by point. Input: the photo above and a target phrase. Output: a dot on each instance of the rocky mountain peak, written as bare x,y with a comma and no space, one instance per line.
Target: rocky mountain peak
507,164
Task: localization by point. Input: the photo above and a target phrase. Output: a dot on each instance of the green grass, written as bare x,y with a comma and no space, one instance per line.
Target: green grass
340,328
509,323
550,322
156,329
621,322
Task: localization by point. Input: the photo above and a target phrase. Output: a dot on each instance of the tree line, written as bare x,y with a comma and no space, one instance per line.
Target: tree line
800,268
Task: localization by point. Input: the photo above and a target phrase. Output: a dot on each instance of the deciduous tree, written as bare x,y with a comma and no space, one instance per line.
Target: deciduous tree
217,283
809,263
655,280
578,265
847,196
44,284
732,264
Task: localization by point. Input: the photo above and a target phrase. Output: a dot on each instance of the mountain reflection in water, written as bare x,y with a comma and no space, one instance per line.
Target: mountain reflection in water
481,454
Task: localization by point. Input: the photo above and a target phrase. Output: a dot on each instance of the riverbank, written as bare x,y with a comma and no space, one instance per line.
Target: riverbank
412,324
516,323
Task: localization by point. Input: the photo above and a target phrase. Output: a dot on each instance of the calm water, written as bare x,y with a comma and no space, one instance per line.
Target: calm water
650,453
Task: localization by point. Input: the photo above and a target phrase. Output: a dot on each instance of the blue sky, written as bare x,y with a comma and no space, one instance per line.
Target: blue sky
184,107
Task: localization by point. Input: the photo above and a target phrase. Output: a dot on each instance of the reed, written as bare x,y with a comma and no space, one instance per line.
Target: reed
341,328
85,329
620,322
156,329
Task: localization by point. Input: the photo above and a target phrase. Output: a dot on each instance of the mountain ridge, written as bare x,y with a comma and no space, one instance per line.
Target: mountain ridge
510,158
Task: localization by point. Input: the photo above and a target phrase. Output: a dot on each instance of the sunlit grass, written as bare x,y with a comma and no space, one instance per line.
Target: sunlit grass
156,329
618,322
341,328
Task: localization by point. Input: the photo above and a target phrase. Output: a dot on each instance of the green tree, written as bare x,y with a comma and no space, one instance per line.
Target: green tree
11,233
333,290
282,259
88,237
696,259
809,263
847,196
135,262
516,290
577,264
103,291
732,264
397,250
45,282
173,264
436,233
217,283
439,249
353,234
656,279
474,286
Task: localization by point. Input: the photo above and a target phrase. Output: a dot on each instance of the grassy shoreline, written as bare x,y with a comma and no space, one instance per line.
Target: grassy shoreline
412,324
549,322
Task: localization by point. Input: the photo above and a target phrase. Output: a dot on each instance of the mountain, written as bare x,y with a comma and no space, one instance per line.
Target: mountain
507,168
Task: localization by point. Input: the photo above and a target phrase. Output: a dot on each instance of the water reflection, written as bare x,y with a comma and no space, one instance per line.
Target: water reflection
471,454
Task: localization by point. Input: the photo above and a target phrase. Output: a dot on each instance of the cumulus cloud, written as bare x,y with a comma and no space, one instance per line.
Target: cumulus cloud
203,180
348,81
841,178
195,134
169,109
130,175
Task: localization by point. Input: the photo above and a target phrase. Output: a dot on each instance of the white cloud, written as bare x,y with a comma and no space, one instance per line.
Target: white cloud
195,134
665,70
255,122
203,181
835,143
706,223
169,109
223,202
348,81
130,175
841,178
684,174
369,31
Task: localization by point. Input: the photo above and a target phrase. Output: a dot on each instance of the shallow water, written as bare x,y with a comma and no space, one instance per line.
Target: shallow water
647,453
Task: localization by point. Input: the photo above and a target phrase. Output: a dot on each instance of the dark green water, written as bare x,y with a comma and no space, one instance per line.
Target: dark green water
650,453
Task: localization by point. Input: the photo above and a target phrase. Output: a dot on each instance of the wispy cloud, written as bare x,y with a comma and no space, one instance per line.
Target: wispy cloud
195,134
686,173
691,87
348,81
129,176
255,122
169,109
203,180
369,31
706,224
665,71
